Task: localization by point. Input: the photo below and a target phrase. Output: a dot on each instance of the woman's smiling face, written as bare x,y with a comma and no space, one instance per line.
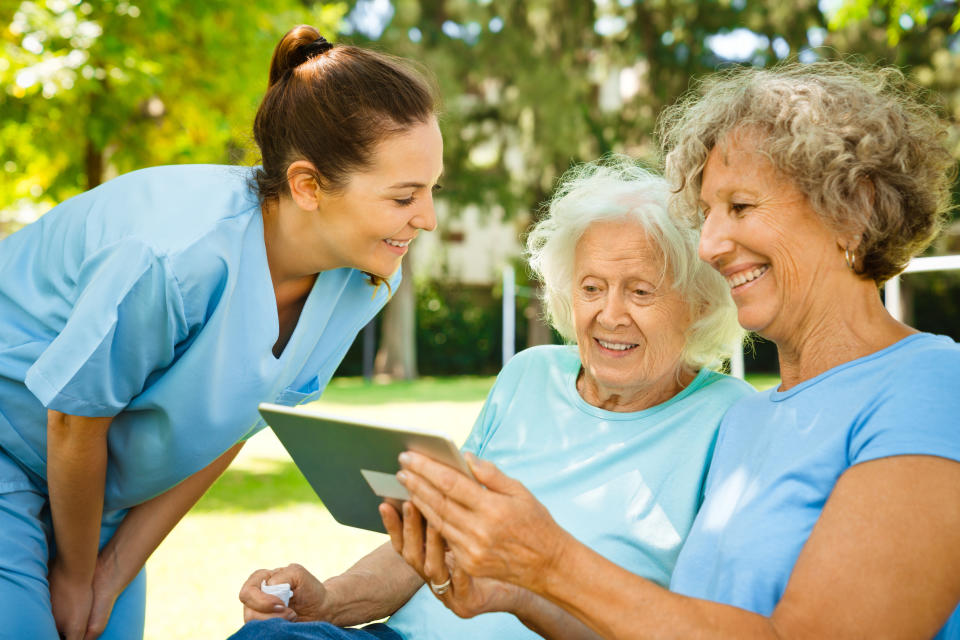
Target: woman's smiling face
762,235
631,324
370,222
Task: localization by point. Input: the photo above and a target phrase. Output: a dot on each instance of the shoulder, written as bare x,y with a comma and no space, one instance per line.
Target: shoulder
921,366
728,386
544,357
927,355
714,392
168,207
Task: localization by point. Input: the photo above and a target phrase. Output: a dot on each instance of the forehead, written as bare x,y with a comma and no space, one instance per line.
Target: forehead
738,160
415,154
618,247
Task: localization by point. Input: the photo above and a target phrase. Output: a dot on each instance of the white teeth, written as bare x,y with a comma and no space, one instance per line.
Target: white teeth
746,276
397,243
615,346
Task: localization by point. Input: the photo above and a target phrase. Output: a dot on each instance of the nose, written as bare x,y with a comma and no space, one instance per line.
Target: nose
426,217
613,314
715,241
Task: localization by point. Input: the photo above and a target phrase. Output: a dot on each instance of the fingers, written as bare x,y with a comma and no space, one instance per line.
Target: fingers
435,565
393,524
447,516
491,477
258,605
448,480
413,538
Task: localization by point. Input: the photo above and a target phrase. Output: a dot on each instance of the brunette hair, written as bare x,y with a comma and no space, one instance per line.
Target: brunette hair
330,105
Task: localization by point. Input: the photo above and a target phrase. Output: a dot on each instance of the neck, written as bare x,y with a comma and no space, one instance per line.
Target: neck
850,325
293,261
633,399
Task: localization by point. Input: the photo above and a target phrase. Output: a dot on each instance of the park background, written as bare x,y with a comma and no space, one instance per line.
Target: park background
90,89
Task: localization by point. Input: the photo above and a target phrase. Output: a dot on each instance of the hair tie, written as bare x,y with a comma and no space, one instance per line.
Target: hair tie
316,48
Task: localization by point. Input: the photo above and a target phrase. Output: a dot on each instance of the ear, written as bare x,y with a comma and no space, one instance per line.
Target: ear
303,185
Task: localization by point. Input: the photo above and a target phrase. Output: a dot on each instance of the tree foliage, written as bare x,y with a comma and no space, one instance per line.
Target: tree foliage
92,89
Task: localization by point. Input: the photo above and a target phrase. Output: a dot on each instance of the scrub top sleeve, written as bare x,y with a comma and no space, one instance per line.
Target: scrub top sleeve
124,325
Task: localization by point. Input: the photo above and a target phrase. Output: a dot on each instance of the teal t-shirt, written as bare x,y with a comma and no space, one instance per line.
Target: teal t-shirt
626,484
149,299
779,454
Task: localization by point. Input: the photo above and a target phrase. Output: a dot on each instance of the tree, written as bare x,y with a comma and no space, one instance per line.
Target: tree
92,89
533,86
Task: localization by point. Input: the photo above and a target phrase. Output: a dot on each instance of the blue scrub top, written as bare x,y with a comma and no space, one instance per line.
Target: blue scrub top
149,299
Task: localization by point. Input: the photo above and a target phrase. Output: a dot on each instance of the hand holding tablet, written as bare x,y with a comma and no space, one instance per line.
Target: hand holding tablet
352,465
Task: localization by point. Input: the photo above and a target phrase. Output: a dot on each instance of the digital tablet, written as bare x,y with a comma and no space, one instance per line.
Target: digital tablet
352,464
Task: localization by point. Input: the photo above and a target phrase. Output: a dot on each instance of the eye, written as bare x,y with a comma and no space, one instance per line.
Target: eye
405,202
642,292
739,208
437,187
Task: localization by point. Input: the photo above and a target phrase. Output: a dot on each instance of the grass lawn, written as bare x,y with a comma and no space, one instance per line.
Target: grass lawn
261,512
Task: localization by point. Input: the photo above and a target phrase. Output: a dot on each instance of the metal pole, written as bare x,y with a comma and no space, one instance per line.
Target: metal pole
891,297
509,313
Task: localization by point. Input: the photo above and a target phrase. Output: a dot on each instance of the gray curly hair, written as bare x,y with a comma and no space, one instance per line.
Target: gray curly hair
858,141
617,187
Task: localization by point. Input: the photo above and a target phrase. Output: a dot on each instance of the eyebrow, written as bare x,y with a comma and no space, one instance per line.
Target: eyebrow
415,185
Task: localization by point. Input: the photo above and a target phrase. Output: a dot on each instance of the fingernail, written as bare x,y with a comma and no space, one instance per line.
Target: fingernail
402,477
404,458
278,607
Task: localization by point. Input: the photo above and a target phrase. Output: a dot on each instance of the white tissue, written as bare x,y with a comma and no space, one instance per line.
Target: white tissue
282,591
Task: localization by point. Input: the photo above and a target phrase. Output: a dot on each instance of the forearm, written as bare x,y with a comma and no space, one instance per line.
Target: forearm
550,621
375,587
616,603
147,524
76,474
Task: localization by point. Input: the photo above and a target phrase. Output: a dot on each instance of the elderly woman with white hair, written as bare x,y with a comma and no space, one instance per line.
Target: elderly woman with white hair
612,435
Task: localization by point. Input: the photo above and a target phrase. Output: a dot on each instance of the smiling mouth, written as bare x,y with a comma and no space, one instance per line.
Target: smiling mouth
398,243
616,346
743,277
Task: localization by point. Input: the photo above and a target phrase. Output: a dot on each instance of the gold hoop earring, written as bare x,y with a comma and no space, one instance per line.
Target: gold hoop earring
851,259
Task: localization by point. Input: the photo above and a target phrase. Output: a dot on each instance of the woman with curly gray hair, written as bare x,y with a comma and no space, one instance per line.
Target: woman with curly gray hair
832,506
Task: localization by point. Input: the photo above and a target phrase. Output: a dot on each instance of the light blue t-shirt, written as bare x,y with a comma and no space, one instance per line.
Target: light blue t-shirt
149,299
626,484
779,454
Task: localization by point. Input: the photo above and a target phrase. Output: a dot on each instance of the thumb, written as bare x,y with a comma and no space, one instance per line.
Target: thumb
491,477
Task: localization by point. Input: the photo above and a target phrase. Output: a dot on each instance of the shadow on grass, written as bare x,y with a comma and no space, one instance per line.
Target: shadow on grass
280,484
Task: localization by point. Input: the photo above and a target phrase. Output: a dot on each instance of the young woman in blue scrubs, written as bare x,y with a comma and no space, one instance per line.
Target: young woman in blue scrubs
142,322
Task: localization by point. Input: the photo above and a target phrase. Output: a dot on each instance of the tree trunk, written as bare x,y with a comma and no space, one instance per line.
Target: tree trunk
93,162
397,356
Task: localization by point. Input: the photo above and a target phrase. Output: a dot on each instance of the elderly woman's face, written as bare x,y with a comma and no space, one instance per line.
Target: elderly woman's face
631,324
762,235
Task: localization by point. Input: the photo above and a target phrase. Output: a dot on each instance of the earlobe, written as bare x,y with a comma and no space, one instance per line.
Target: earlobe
302,181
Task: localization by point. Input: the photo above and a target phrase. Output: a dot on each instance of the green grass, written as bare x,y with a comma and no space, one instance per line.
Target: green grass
762,381
358,391
274,484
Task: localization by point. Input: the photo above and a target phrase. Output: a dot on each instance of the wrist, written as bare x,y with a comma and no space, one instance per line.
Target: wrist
560,554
